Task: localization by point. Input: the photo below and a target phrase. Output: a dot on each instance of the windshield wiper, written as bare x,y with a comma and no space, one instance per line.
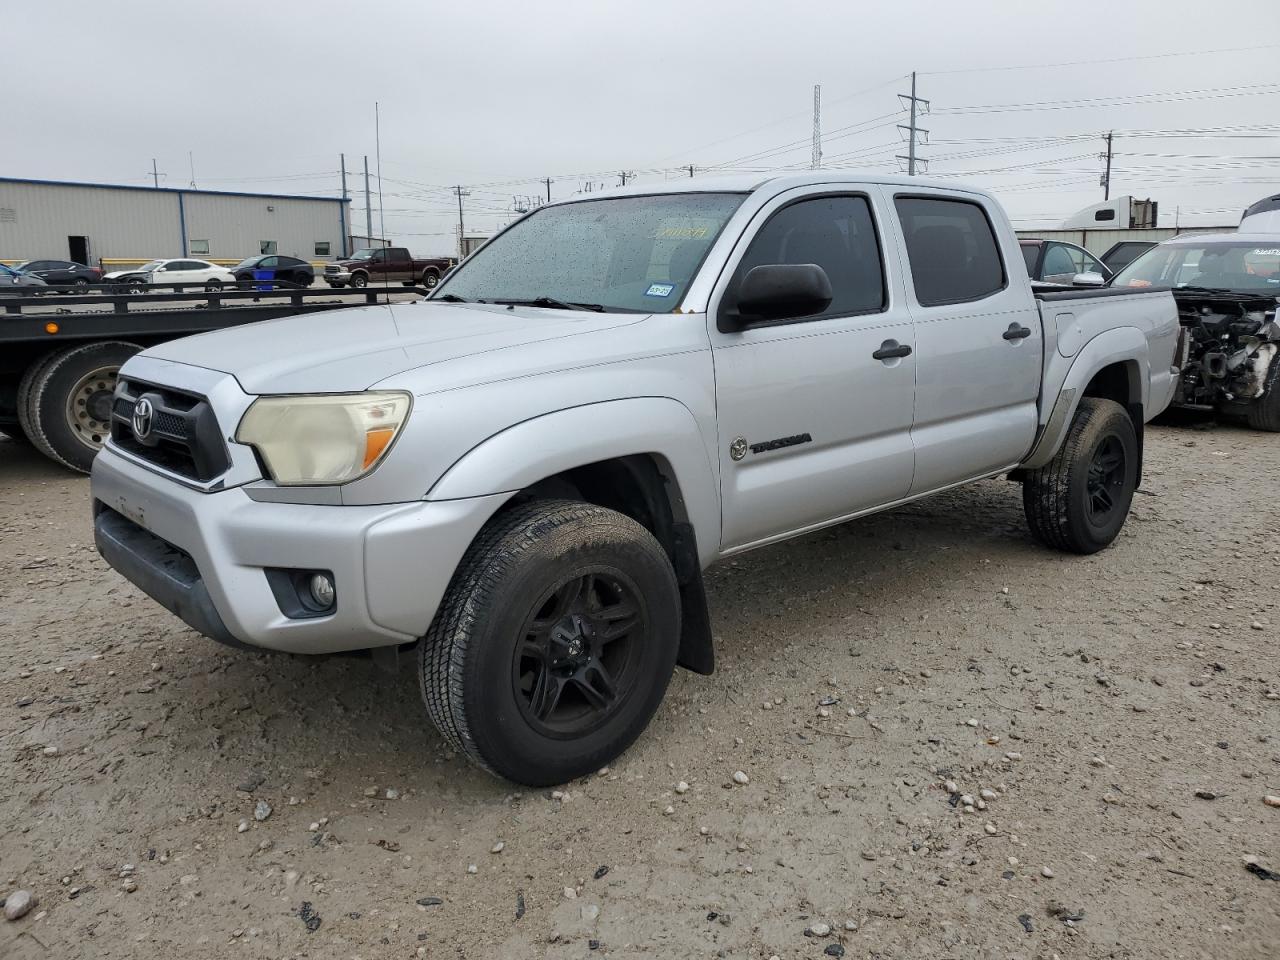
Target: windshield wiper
554,304
452,298
1193,287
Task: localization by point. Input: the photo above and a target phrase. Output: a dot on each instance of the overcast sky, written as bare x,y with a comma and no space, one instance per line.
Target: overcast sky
495,95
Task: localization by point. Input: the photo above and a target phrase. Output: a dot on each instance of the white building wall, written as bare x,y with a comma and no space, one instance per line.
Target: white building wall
118,223
122,223
236,226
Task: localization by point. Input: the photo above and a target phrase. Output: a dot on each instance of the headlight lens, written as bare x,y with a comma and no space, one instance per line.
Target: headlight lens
326,439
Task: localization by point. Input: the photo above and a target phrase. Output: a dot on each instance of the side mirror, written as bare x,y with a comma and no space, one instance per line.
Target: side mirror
1090,278
776,291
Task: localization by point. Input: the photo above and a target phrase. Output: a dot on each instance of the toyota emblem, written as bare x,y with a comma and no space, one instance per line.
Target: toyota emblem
142,412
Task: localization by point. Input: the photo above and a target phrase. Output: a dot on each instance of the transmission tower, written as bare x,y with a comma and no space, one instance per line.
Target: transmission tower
916,136
816,163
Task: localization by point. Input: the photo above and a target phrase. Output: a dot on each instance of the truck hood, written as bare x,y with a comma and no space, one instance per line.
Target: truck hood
344,351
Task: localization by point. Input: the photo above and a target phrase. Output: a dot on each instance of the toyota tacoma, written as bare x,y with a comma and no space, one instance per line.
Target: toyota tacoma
525,475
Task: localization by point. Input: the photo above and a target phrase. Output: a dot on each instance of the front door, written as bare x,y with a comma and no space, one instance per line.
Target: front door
813,425
979,345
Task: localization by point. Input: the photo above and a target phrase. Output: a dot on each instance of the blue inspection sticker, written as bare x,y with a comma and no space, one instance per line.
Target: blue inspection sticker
659,289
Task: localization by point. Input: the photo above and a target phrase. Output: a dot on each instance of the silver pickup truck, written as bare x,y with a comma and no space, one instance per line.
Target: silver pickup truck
526,474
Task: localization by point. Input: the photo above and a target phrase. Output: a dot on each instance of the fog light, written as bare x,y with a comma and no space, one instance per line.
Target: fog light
322,590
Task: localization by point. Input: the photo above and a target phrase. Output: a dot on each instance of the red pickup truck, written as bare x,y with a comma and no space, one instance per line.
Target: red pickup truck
382,265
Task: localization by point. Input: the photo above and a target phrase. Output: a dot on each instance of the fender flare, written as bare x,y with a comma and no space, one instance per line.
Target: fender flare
1127,345
554,442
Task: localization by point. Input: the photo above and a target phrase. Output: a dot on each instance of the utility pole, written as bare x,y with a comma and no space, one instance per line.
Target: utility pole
1106,177
342,164
377,142
191,161
816,162
155,174
461,193
915,134
689,168
625,175
368,207
547,181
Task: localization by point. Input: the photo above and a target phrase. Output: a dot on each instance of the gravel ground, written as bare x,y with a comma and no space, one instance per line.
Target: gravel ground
1121,710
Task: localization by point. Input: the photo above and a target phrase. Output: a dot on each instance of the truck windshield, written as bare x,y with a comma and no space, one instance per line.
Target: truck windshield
628,254
1232,265
362,254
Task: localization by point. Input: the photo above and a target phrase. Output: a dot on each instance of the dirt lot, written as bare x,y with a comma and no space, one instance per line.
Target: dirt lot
1093,696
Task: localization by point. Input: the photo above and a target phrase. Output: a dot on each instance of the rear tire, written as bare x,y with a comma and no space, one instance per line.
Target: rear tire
1264,413
80,283
68,401
1079,500
554,643
429,279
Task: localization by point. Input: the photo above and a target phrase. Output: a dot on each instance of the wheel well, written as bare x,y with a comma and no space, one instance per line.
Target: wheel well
1120,382
644,488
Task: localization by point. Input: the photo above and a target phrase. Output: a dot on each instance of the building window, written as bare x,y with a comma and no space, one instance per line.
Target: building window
199,248
267,246
322,248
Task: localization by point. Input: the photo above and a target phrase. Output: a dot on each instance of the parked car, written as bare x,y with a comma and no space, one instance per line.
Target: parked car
289,269
379,265
1226,286
61,272
11,279
1055,261
1120,255
195,272
526,474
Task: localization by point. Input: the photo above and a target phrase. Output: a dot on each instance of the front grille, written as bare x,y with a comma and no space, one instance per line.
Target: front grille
184,437
332,268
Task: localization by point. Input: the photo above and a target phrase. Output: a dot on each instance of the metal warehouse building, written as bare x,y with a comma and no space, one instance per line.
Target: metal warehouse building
90,223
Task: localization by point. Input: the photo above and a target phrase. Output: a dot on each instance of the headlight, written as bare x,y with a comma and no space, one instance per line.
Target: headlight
332,438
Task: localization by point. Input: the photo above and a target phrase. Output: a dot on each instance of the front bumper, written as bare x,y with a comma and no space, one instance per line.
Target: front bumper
204,556
338,277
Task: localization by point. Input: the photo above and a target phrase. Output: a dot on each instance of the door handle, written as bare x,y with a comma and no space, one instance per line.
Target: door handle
1017,332
892,350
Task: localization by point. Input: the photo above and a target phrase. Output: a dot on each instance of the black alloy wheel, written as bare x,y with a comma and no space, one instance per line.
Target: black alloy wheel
577,662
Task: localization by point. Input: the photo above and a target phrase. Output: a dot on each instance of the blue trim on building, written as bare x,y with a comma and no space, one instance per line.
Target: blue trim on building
216,193
182,222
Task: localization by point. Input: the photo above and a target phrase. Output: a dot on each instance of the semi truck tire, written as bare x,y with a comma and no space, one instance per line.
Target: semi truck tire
555,642
68,401
1079,500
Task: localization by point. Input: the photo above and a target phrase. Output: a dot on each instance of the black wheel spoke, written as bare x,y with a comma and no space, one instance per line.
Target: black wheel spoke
597,686
547,688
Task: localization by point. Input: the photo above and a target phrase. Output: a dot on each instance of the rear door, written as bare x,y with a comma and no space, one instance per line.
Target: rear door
978,340
400,264
813,426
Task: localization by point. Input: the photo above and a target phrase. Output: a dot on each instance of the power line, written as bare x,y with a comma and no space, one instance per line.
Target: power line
1080,63
913,131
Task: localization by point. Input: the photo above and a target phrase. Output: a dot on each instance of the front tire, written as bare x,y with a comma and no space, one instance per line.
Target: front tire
1264,413
212,286
359,280
554,643
1079,500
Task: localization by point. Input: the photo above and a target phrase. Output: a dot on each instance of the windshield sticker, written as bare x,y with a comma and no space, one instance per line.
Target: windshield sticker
659,289
1273,252
1139,283
681,233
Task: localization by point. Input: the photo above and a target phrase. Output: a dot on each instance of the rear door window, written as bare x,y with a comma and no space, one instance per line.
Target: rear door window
952,249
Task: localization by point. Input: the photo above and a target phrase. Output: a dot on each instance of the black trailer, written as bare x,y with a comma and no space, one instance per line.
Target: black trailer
61,348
